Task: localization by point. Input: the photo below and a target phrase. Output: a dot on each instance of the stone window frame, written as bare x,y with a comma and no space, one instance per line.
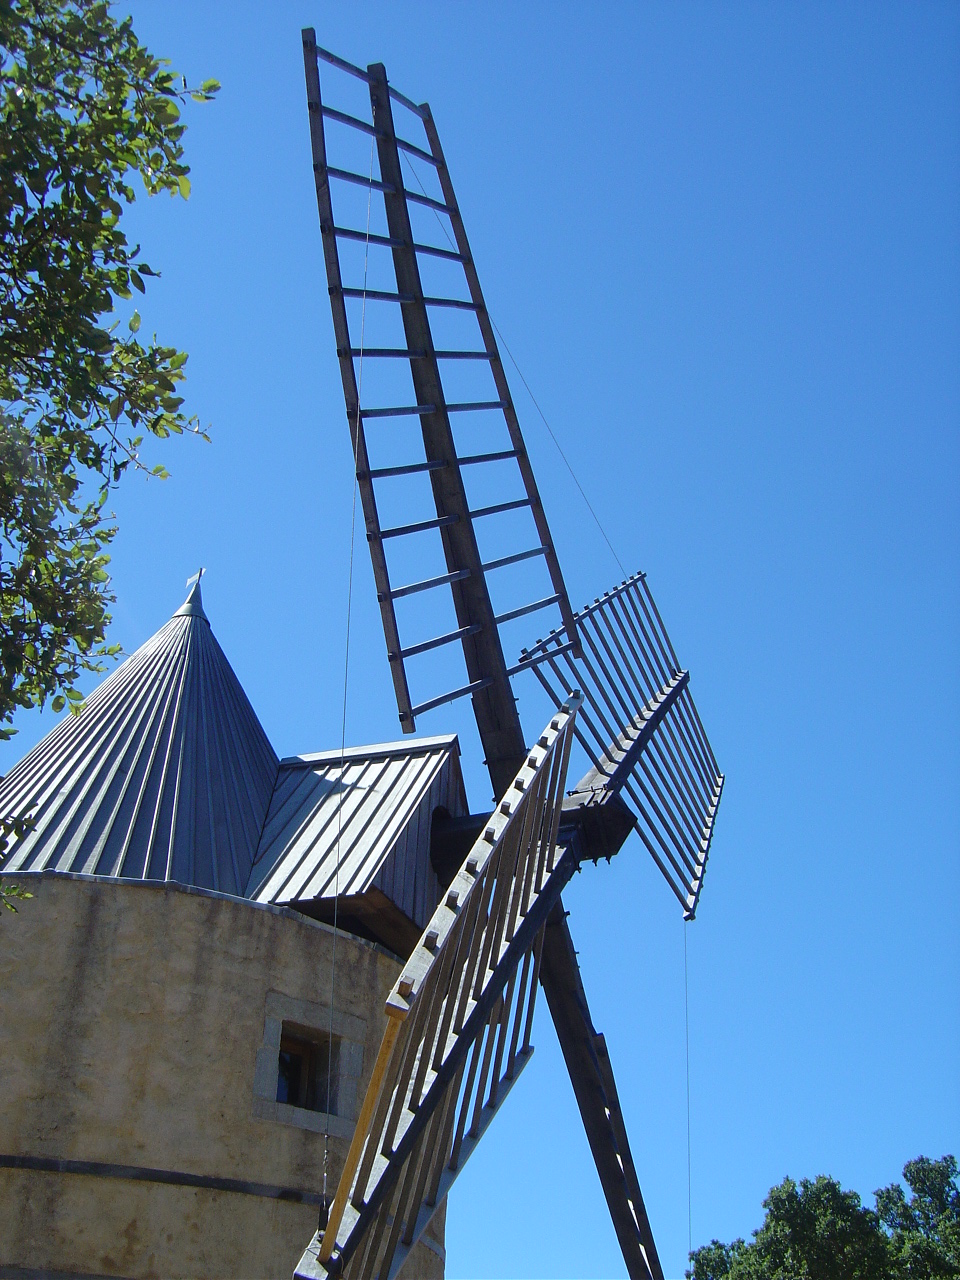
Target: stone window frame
351,1032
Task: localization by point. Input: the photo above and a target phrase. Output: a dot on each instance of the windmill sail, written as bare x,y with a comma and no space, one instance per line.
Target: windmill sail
640,729
434,477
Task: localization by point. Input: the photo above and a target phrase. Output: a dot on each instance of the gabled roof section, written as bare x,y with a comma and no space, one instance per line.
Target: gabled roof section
343,824
165,775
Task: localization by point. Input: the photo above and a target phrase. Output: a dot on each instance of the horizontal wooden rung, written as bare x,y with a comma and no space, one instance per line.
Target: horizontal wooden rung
385,353
467,689
435,251
476,406
347,175
374,295
525,609
401,530
514,559
460,303
428,584
426,645
341,63
498,507
365,237
391,242
341,117
528,660
417,151
404,101
428,202
411,469
473,458
398,353
401,411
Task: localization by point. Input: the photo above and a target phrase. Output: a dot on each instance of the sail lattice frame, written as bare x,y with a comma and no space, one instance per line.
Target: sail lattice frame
639,727
455,519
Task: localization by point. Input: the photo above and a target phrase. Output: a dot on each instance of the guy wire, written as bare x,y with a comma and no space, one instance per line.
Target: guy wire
686,1022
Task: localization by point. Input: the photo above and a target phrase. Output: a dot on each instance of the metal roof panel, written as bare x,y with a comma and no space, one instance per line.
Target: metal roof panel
165,775
336,817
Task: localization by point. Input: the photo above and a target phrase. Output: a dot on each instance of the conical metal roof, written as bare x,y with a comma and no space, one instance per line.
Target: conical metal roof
165,775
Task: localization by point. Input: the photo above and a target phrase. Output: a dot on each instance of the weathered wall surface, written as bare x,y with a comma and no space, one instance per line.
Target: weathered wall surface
133,1024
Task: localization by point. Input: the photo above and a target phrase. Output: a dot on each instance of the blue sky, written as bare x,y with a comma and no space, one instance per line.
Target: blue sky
723,242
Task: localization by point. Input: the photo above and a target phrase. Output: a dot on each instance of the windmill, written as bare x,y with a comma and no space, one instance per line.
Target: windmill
447,492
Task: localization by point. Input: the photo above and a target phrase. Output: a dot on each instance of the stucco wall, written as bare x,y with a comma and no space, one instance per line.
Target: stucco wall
136,1025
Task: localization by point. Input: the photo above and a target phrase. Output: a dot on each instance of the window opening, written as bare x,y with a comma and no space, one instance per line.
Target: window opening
308,1069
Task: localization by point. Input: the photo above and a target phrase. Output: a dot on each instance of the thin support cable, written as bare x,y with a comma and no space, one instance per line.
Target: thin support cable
566,460
513,360
346,674
686,1021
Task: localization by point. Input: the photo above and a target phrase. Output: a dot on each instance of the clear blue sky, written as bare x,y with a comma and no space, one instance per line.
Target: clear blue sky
723,241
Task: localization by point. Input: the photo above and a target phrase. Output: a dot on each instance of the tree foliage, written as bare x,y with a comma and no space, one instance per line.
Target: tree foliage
85,111
924,1229
814,1230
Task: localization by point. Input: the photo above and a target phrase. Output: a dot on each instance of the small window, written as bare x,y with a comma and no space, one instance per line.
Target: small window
308,1069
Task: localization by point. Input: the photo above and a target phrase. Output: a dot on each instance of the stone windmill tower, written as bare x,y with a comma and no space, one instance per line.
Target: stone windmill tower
173,1068
204,1076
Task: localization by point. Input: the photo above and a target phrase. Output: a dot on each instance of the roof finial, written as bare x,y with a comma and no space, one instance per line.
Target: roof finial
192,607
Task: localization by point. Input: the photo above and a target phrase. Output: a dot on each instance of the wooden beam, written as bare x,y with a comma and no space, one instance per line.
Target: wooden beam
596,1097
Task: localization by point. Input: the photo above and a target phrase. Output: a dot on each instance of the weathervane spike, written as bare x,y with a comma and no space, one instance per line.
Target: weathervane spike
195,577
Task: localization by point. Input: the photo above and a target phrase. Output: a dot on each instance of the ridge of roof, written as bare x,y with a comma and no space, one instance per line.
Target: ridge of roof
405,746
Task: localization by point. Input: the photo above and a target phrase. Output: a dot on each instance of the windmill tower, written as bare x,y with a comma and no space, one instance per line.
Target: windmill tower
460,1014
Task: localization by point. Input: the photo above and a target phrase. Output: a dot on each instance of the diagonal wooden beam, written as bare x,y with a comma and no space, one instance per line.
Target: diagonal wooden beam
588,1065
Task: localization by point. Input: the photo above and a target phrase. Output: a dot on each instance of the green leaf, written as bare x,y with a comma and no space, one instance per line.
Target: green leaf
184,184
58,703
133,324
